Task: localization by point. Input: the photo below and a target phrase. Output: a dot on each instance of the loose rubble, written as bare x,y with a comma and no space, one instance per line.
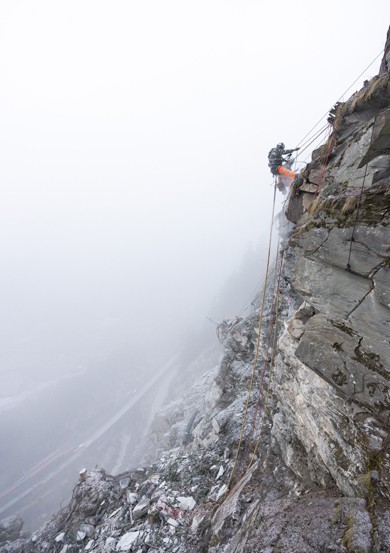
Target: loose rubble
301,469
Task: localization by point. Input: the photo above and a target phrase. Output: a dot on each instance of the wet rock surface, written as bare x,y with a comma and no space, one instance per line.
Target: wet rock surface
301,464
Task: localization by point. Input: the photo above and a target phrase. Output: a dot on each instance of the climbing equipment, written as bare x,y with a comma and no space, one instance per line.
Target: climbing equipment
343,94
257,343
286,172
265,358
310,141
271,367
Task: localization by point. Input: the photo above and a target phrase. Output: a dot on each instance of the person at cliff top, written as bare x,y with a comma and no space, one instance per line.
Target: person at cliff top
276,159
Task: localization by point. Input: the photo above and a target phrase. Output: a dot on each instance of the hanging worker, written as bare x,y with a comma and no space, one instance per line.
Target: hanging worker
276,159
281,166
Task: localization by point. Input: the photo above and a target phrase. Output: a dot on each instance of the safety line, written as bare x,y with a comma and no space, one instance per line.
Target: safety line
278,295
265,356
326,155
271,365
323,129
257,343
309,141
343,94
249,301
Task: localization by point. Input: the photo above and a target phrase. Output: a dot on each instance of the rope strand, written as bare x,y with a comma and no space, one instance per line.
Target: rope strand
271,365
343,94
257,344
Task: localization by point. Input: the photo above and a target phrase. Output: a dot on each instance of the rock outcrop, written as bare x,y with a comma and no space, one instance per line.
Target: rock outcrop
284,446
333,377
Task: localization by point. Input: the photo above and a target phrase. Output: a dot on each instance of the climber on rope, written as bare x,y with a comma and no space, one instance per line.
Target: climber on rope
276,158
281,166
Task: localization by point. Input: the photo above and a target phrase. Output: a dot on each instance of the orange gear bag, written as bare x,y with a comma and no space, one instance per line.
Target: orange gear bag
286,172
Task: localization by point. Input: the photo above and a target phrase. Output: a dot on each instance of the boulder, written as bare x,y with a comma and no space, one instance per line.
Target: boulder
186,503
127,540
141,508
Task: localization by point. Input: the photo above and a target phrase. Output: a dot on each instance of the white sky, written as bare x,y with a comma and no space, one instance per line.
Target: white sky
134,139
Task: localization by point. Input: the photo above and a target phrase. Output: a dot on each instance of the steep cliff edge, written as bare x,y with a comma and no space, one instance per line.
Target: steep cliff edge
301,463
333,365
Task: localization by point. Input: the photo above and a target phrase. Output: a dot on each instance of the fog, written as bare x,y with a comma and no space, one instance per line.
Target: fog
135,194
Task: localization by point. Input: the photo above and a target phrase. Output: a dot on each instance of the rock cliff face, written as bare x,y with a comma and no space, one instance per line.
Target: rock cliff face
333,366
301,463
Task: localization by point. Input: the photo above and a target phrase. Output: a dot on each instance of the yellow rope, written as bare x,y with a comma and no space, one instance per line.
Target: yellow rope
270,369
257,344
265,355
